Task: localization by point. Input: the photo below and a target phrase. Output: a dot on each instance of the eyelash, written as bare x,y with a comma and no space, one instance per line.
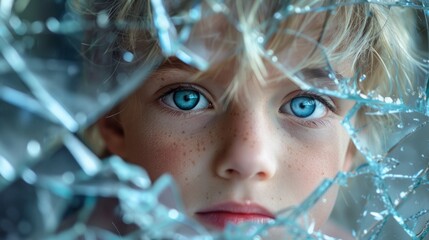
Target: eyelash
312,123
178,112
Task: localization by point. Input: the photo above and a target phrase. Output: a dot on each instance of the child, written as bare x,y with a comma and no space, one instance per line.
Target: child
246,113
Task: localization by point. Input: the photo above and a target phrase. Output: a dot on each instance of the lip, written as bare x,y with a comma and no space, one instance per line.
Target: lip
220,215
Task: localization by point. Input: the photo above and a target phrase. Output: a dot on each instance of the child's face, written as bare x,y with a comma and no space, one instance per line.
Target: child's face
267,150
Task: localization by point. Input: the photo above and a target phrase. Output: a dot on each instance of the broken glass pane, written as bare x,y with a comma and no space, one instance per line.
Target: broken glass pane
140,119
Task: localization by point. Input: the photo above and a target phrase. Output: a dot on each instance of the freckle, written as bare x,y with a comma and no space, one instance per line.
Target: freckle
193,162
219,193
323,173
289,166
204,148
184,153
183,132
245,139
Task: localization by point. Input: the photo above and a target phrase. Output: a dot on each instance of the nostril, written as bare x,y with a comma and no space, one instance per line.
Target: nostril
232,172
262,175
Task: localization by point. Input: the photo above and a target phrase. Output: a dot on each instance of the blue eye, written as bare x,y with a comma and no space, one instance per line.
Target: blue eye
305,107
186,99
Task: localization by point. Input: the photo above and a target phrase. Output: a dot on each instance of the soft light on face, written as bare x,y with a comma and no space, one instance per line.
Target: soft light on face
265,150
268,149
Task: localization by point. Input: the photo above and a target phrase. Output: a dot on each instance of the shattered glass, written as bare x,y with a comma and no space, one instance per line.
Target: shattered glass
63,67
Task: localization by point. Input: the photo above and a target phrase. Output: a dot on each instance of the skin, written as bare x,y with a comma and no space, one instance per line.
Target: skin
252,150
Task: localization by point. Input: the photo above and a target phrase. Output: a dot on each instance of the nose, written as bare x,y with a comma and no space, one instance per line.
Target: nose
248,151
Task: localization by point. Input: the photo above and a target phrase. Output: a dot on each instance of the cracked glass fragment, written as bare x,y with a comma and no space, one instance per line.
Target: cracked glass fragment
214,119
27,137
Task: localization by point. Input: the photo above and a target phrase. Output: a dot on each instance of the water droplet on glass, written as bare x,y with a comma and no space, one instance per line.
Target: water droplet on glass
102,19
53,24
68,177
15,22
81,117
388,100
274,59
217,7
377,216
128,57
173,214
33,148
29,176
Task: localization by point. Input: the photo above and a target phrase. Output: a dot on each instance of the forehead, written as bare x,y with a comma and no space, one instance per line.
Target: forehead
217,37
231,45
257,43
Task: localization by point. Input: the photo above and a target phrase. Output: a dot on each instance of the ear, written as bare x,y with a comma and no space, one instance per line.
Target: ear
350,155
112,132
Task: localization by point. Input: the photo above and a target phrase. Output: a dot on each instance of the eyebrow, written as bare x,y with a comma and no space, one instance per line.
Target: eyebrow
321,75
319,72
176,63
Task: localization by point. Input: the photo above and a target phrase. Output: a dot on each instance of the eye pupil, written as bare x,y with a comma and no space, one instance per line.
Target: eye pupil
186,99
303,106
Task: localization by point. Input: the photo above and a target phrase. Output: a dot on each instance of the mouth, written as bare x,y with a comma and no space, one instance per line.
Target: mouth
220,215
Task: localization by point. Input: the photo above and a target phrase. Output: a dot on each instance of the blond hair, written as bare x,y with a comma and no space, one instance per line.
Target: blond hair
378,40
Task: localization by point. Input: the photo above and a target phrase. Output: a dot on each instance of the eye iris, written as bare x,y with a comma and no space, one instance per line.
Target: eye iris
186,99
303,106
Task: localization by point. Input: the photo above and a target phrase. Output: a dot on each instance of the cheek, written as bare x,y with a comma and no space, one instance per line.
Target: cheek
160,149
310,158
